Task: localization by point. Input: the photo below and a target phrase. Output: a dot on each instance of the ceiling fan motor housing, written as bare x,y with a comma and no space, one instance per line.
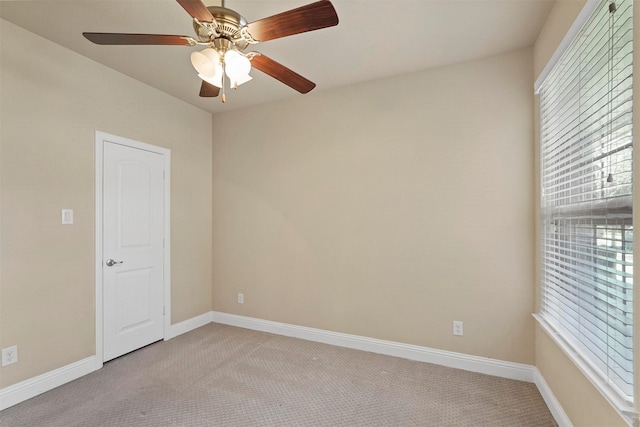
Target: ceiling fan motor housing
228,27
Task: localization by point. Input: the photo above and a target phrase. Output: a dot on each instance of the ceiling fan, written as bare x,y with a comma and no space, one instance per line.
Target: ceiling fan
226,35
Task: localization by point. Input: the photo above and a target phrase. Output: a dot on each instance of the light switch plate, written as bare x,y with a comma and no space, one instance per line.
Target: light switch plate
67,216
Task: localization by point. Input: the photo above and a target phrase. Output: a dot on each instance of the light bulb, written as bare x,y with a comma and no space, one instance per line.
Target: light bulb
206,62
236,65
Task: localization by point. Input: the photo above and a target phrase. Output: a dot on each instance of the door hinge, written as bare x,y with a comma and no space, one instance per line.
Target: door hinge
164,310
163,242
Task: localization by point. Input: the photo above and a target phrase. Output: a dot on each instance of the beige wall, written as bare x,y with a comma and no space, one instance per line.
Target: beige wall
387,209
558,22
52,102
582,402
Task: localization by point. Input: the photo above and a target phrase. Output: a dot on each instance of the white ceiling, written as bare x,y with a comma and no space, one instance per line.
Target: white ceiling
374,39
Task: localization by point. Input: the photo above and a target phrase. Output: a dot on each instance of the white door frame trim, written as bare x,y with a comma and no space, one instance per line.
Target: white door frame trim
100,138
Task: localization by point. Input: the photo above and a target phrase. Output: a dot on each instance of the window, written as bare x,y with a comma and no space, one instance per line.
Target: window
586,198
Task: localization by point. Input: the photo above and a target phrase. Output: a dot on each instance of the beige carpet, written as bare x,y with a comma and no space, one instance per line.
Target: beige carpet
225,376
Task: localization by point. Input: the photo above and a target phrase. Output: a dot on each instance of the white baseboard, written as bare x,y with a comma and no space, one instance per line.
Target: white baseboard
32,387
483,365
549,398
190,324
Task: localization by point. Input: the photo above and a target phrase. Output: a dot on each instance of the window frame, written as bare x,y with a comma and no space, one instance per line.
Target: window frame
625,407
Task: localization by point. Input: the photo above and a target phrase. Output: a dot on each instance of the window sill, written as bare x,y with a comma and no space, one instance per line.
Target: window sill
623,406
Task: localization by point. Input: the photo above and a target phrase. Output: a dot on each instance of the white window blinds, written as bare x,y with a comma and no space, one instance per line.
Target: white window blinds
586,201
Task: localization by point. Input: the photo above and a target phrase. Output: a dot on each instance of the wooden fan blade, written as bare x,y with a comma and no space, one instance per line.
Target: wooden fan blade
208,90
197,10
128,39
311,17
282,73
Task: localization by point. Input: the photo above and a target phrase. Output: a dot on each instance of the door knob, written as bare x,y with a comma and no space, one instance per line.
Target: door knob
110,262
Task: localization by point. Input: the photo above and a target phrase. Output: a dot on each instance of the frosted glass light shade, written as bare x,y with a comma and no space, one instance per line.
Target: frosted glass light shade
206,62
240,80
216,80
236,66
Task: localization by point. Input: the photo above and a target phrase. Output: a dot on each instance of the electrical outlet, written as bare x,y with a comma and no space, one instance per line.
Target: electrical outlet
458,328
9,355
240,298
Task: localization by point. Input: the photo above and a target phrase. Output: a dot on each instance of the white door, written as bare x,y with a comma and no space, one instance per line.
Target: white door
132,264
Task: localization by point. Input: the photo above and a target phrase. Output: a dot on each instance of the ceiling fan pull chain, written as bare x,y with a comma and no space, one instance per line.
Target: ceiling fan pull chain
223,97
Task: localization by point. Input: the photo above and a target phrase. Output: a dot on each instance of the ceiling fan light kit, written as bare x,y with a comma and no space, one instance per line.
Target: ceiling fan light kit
225,34
206,61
